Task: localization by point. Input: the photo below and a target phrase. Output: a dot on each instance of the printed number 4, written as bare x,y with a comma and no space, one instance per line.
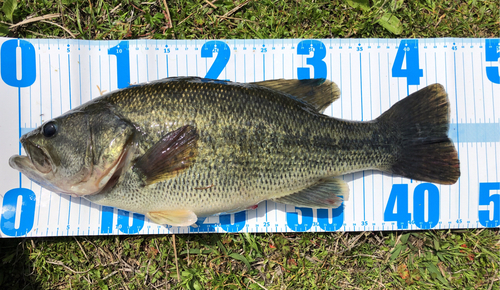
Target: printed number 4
412,72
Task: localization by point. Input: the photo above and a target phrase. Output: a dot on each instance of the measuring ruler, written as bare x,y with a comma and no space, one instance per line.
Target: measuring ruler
41,79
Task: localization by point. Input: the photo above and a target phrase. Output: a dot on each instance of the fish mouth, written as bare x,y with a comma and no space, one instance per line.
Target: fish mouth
36,160
38,157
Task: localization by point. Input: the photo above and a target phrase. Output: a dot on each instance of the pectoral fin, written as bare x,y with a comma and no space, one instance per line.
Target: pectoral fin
327,193
181,217
174,153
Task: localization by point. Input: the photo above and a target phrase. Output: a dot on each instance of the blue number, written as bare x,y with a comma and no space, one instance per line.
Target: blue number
399,197
399,192
9,54
419,205
122,54
337,219
223,54
292,219
107,219
359,48
9,212
485,199
239,222
492,48
123,222
413,72
305,47
202,226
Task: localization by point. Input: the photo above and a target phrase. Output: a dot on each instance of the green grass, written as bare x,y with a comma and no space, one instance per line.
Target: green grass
467,259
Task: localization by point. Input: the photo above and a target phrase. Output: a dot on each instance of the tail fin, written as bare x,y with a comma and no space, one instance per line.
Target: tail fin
421,121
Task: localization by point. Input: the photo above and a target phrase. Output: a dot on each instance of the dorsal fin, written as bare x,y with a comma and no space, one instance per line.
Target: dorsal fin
319,93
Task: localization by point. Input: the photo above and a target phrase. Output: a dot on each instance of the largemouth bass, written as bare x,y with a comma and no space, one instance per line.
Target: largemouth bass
182,148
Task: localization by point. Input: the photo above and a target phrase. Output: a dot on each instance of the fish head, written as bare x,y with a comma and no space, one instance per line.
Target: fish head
79,153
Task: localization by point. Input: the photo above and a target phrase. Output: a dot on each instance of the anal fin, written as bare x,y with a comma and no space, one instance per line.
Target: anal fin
327,193
181,217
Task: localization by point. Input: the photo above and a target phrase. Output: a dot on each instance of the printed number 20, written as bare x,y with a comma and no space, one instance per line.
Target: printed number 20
399,198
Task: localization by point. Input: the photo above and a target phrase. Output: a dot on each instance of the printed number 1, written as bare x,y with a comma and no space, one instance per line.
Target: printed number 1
122,54
492,47
412,72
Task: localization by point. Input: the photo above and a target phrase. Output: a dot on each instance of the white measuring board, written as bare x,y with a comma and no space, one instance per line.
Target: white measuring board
41,79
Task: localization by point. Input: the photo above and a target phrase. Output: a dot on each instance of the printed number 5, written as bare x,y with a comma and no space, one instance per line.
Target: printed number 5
492,47
318,49
485,199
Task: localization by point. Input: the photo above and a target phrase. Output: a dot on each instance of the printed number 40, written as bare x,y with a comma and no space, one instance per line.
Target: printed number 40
399,199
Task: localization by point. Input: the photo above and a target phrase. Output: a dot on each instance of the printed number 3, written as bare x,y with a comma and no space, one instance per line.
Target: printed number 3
319,52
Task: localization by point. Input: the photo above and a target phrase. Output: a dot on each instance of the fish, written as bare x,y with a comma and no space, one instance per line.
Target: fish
182,148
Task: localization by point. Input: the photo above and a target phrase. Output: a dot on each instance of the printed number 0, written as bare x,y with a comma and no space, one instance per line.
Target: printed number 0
9,212
12,50
220,62
492,47
317,47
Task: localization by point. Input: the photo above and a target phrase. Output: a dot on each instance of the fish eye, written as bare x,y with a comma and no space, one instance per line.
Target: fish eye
49,130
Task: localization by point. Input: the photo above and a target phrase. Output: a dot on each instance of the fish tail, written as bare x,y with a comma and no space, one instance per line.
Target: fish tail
424,151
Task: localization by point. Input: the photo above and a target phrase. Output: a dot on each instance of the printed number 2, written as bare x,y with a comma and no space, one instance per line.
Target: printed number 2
492,47
122,63
485,199
223,54
317,47
413,72
399,198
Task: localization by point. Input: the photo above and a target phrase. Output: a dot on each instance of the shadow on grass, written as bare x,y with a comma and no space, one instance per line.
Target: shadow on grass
15,267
